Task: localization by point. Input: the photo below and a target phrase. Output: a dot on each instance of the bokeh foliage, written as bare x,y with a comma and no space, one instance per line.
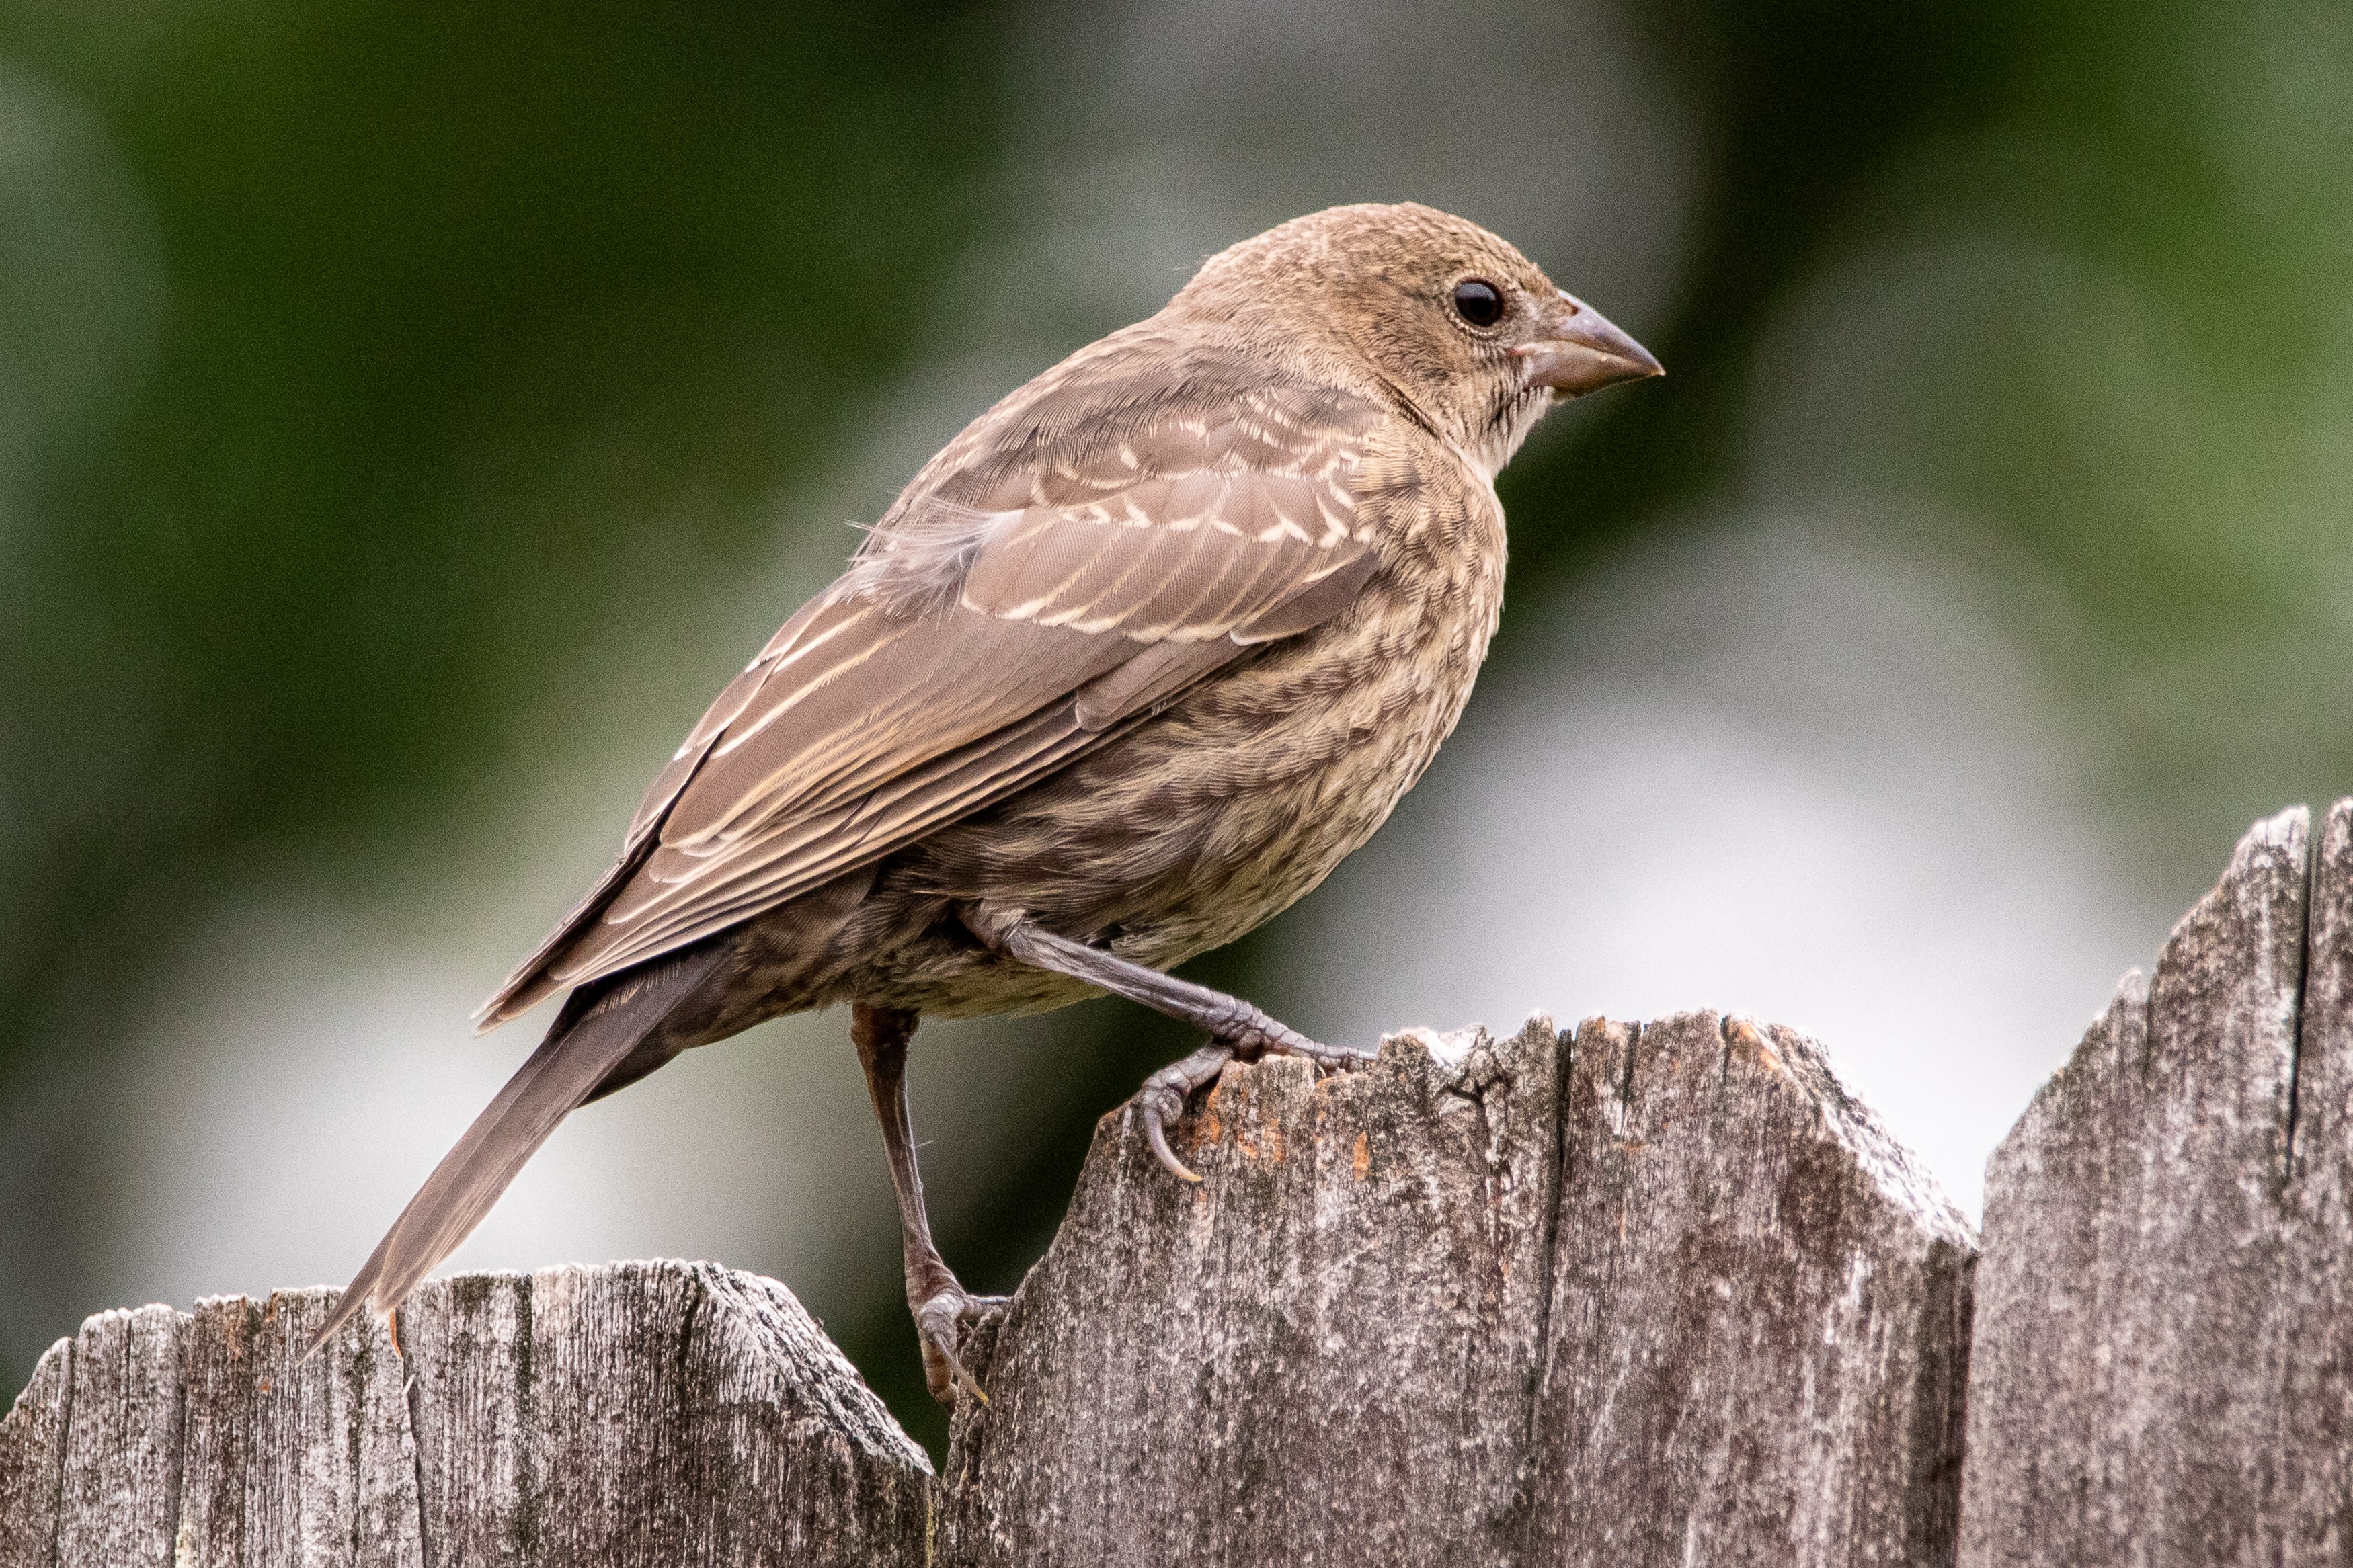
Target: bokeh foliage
483,327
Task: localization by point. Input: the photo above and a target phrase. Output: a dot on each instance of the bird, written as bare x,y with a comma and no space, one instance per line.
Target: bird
1129,666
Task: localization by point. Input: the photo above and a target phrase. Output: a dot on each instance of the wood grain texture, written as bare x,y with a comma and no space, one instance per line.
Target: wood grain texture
292,1461
122,1493
33,1462
1760,1316
2162,1370
1656,1295
635,1414
1354,1291
653,1413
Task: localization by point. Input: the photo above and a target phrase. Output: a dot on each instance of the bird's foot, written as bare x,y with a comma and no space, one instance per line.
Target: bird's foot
1327,1058
1161,1101
940,1320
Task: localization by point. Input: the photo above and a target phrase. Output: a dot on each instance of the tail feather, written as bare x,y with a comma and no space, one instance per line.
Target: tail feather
581,1052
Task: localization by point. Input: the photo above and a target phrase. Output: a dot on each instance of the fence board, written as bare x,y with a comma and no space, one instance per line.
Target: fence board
1760,1314
33,1463
121,1491
635,1414
2164,1360
1655,1295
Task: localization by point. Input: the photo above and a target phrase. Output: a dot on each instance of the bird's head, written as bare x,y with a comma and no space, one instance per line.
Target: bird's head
1439,312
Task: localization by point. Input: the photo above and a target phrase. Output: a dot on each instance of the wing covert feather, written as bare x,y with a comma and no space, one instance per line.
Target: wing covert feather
968,652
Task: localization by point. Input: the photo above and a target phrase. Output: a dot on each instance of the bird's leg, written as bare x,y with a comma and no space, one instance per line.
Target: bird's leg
1229,1020
941,1306
1235,1027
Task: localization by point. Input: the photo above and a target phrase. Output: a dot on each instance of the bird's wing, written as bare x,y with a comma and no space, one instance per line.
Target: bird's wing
968,652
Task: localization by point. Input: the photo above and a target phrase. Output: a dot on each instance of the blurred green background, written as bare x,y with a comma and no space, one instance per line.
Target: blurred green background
409,415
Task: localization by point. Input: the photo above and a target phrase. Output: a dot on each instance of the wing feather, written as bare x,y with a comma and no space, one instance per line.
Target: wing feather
993,628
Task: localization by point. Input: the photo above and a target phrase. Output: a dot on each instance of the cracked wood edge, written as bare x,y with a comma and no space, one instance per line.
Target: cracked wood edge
635,1412
2159,1368
631,1414
1762,1306
33,1463
1448,1310
121,1495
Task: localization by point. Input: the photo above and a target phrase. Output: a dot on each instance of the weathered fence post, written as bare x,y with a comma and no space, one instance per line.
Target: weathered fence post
1656,1289
1644,1294
638,1413
2164,1349
1760,1318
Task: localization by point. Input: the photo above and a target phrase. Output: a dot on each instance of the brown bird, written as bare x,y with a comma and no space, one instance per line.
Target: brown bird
1129,666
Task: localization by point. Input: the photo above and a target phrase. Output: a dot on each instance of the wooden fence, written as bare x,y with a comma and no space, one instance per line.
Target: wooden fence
1636,1294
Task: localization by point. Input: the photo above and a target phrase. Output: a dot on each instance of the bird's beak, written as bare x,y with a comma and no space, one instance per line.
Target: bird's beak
1584,352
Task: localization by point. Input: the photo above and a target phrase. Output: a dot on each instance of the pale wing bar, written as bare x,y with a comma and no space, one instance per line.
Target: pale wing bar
864,725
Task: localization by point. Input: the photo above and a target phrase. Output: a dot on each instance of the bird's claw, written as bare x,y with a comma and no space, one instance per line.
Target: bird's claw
1159,1104
937,1323
1161,1100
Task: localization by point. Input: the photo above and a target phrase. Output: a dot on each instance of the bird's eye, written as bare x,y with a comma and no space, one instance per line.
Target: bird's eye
1478,301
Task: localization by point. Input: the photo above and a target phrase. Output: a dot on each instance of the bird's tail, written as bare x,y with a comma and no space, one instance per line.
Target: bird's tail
588,1049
